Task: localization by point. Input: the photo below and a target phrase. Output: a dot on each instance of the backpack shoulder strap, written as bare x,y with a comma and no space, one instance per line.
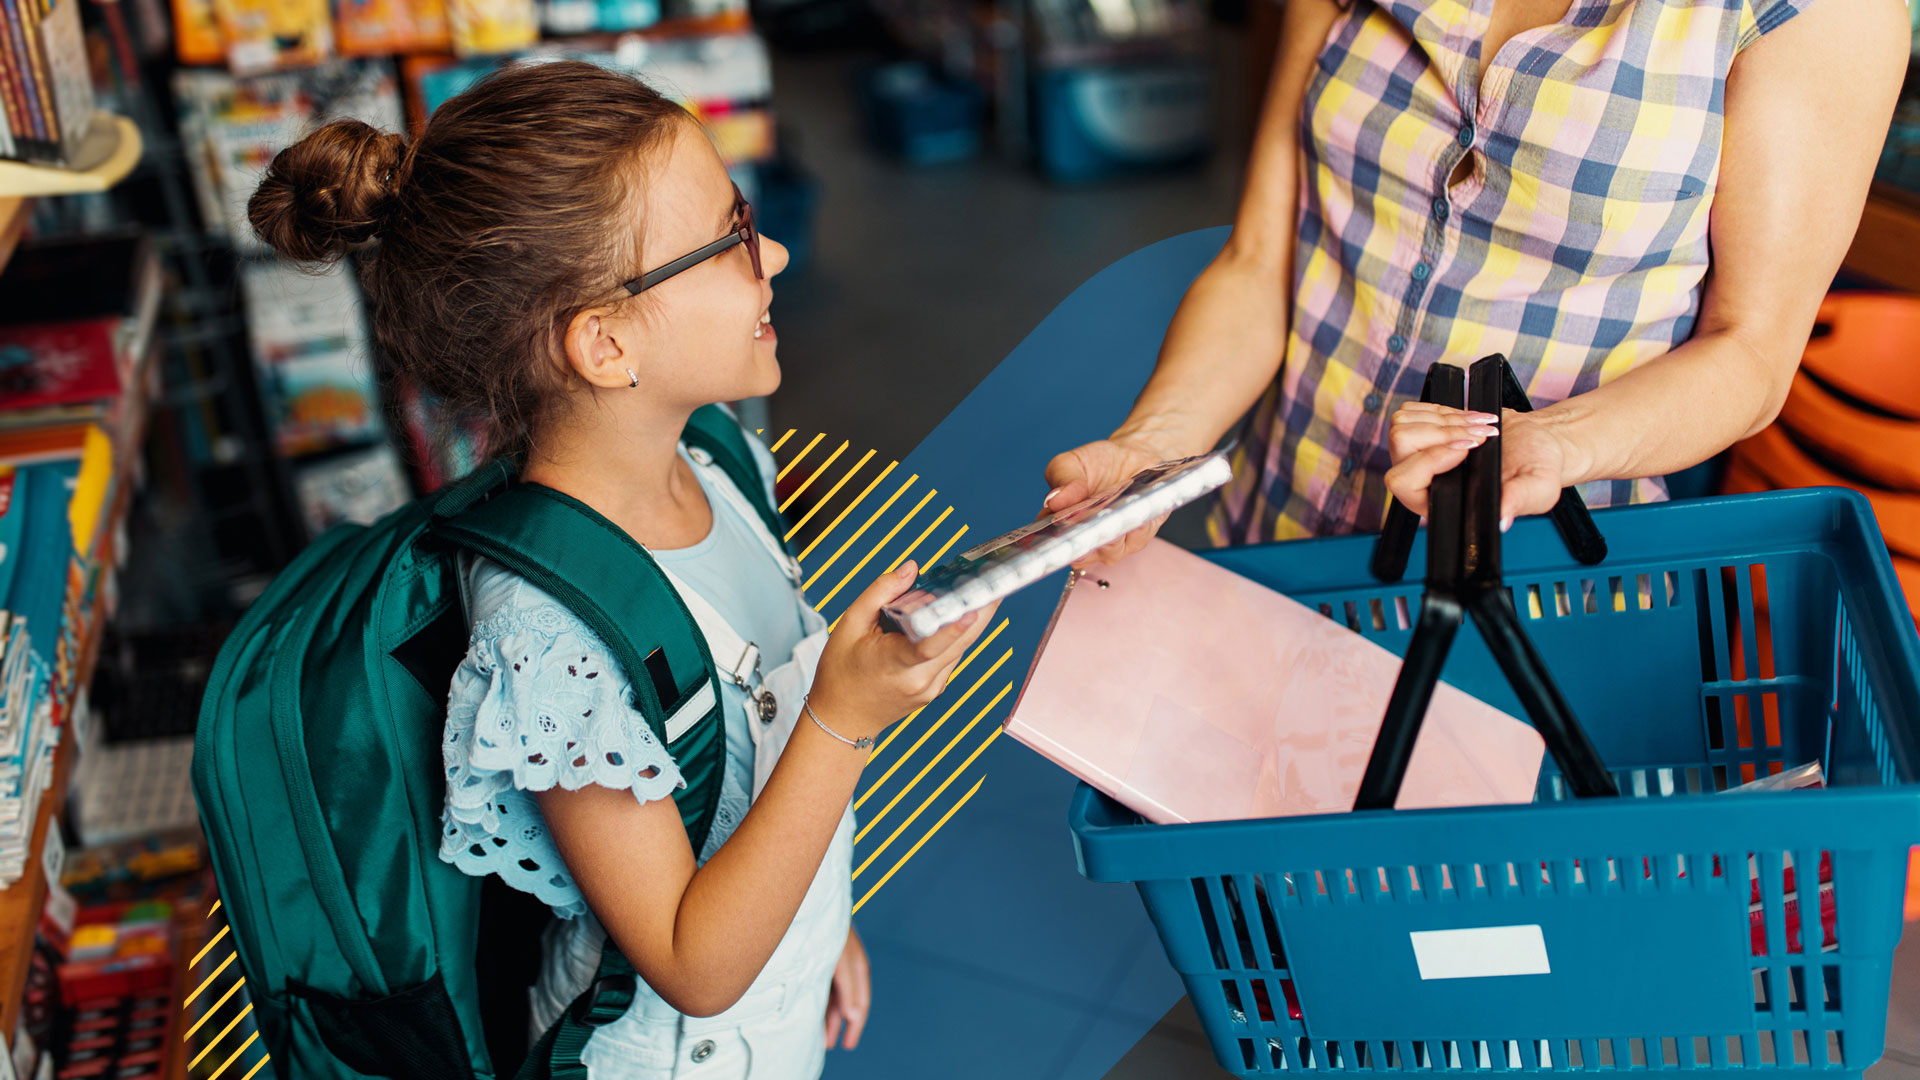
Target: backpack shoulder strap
715,430
589,564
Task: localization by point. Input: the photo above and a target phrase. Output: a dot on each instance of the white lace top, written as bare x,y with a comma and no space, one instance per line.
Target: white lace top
539,701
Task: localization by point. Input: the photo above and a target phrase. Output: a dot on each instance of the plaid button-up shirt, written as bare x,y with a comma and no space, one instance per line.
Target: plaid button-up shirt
1574,240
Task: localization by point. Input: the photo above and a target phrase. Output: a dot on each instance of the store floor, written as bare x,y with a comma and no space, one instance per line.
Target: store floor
921,280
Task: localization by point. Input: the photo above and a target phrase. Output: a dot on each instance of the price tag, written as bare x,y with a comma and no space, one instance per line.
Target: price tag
53,855
81,721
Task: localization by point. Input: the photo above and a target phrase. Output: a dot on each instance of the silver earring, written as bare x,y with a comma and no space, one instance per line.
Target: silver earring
632,379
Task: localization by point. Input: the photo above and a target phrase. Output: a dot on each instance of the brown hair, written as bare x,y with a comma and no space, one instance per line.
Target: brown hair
516,208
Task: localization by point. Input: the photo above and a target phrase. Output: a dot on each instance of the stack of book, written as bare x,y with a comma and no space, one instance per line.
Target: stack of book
46,90
75,382
256,36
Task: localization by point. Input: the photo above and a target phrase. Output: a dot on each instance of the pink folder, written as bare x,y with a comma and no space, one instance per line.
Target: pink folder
1190,693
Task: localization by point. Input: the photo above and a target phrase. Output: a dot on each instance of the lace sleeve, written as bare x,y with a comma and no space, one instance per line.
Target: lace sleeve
538,702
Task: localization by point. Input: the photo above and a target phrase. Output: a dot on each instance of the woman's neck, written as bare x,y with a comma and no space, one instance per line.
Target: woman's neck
627,468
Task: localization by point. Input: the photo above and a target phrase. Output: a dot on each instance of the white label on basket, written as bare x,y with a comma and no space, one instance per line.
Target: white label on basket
1481,953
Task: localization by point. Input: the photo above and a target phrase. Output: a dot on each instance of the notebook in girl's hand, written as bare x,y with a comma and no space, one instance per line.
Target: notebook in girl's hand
1190,693
1012,561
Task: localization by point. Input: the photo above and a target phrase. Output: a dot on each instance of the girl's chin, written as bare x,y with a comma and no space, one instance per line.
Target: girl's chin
770,381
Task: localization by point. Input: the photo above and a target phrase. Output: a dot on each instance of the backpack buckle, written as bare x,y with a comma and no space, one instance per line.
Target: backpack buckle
611,993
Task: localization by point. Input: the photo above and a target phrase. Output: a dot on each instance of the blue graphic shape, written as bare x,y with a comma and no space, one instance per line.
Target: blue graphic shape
992,956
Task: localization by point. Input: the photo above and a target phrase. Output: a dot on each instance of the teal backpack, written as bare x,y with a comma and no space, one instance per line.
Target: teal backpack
318,771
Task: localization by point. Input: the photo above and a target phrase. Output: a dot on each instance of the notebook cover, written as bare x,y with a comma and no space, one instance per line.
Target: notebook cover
1189,693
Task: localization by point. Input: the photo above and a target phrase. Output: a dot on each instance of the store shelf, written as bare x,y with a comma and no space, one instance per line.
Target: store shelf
106,156
13,222
21,903
1884,248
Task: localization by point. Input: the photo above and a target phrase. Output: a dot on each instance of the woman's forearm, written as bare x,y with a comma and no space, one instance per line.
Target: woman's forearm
1672,413
1224,346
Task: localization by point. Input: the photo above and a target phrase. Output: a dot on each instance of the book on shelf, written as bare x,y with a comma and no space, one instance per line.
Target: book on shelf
357,486
265,35
231,128
77,334
45,82
310,340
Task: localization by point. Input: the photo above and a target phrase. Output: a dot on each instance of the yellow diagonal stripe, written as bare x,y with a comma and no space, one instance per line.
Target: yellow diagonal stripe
924,770
978,648
235,1056
799,457
214,1008
257,1066
202,954
938,555
781,441
831,492
216,974
816,474
215,1041
903,555
944,784
921,741
877,548
835,523
214,908
955,808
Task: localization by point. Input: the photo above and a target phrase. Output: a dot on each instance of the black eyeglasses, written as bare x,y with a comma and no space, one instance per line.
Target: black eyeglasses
743,233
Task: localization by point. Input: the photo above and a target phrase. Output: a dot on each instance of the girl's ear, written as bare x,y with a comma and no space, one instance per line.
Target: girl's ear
599,348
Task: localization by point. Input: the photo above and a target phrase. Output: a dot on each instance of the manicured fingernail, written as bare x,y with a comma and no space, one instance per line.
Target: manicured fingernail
1465,444
1486,430
1506,523
1483,418
1048,501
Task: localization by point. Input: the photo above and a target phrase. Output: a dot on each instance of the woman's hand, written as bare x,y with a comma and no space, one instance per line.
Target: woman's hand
851,994
1087,470
868,678
1428,440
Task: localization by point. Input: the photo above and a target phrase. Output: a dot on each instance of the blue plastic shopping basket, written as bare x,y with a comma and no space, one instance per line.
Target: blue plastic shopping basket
1721,640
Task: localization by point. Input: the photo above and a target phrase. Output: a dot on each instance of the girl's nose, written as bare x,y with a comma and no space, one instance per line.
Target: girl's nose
773,256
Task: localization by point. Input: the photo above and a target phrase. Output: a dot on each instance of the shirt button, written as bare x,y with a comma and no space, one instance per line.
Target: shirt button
699,455
1346,466
702,1050
1373,402
1420,271
1396,343
1465,138
1440,209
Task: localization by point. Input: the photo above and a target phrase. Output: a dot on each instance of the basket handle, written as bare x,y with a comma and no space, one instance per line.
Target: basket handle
1464,579
1570,515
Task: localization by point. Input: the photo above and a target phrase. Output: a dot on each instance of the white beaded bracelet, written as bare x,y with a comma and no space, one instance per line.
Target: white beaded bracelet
864,742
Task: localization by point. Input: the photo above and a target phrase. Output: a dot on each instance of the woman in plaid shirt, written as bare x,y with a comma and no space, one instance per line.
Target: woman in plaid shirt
1408,204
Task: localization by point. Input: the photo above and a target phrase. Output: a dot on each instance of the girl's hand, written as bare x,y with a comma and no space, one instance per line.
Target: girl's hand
1086,471
851,994
869,678
1428,440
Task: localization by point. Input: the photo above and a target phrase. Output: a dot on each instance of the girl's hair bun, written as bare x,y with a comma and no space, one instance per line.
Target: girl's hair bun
328,193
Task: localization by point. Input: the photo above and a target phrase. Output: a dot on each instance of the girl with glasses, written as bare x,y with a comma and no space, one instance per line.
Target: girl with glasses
562,254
